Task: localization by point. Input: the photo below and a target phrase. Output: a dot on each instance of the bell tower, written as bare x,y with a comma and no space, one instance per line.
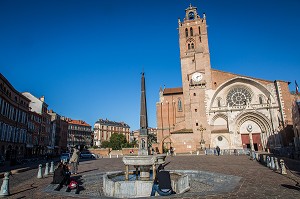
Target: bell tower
195,70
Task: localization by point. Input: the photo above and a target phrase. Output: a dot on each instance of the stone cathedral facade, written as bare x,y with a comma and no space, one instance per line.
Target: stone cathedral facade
217,108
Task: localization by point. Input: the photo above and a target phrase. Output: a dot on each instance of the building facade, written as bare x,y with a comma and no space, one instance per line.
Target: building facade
79,133
41,121
59,133
14,108
103,129
296,127
217,108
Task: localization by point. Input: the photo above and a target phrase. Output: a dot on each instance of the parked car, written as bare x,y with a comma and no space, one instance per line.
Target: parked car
87,154
65,157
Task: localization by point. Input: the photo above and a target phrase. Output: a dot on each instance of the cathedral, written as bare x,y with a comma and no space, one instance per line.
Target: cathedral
216,108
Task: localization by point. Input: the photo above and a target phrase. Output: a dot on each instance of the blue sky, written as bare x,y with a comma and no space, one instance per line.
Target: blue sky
86,56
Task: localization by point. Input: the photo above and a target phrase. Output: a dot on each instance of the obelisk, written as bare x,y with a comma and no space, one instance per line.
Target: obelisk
143,140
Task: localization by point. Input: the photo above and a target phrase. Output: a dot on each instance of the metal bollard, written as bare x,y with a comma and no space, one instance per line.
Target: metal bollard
46,170
283,169
40,172
257,157
268,161
264,159
197,152
272,163
253,155
5,185
276,164
52,168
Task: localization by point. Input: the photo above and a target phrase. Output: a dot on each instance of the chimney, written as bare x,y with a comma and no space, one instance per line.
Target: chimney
42,98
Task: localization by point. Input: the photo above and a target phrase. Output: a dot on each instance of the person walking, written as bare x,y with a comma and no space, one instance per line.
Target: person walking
75,160
218,150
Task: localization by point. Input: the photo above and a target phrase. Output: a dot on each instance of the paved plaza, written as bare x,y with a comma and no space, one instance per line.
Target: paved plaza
254,180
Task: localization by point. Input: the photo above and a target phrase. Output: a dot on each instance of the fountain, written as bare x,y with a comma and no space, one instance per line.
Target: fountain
139,183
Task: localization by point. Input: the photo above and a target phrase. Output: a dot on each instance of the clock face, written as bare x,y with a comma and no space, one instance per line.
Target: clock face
197,77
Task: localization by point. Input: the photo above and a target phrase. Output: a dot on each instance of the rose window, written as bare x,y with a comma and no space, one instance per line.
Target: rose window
238,97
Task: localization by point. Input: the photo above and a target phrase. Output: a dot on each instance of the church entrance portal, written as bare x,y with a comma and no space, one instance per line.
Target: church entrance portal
256,141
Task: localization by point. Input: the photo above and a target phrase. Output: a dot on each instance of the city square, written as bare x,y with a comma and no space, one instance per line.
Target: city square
222,121
256,180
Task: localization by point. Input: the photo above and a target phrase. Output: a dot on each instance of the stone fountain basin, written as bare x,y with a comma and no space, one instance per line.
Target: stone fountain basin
143,160
140,188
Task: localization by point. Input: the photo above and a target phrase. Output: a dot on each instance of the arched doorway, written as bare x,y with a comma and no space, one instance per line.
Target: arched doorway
166,144
253,129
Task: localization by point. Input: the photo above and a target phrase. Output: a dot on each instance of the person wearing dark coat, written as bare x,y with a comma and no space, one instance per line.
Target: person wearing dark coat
162,183
61,176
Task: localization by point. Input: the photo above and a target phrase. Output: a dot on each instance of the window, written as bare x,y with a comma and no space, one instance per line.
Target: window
260,100
186,32
179,105
192,45
197,124
196,110
194,94
238,96
191,31
191,16
199,30
220,138
189,46
219,103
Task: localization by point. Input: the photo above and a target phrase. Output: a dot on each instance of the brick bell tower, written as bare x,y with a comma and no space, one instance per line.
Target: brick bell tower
196,73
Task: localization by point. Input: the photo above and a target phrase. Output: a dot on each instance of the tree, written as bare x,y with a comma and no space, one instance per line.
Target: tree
117,141
151,139
105,144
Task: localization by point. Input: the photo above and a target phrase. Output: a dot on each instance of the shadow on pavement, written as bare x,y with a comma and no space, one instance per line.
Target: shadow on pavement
32,187
291,187
89,170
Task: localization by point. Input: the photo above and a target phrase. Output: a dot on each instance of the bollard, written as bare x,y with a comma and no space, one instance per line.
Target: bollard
117,156
40,172
276,164
52,168
272,165
264,159
109,155
268,161
253,155
197,152
46,170
283,169
257,157
5,185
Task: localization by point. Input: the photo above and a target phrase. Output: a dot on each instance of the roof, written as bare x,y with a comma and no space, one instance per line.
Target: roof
269,81
77,122
182,131
169,91
112,123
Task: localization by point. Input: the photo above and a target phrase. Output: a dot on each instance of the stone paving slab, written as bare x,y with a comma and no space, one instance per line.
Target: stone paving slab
257,181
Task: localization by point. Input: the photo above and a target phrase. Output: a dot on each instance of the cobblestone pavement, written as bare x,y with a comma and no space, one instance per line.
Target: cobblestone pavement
257,181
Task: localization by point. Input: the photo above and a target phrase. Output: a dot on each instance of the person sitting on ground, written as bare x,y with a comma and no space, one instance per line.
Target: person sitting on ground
162,182
61,176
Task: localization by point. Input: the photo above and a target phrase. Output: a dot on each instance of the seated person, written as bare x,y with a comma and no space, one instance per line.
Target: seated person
162,183
61,176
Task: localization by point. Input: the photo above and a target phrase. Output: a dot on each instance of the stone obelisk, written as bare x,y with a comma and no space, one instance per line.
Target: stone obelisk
143,139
